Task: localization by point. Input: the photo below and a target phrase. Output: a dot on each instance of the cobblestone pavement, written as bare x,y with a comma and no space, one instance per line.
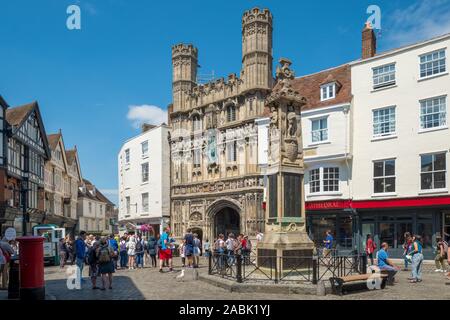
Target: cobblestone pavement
149,284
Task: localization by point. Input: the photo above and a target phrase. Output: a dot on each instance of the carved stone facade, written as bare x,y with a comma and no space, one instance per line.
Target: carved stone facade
214,149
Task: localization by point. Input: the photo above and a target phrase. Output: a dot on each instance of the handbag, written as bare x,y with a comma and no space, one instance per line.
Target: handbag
408,258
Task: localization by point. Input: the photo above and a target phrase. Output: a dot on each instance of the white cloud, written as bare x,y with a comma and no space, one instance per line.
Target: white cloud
420,21
146,114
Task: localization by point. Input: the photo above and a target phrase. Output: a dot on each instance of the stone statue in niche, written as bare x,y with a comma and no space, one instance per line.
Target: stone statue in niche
292,137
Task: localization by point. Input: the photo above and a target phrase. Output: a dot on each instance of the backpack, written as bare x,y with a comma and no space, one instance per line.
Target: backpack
104,255
139,247
445,244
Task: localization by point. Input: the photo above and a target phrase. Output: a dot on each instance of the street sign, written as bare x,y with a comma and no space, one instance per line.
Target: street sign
10,234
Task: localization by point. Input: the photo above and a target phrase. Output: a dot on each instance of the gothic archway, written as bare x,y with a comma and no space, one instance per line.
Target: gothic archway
224,217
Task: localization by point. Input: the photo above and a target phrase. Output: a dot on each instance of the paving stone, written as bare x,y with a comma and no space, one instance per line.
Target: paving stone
149,284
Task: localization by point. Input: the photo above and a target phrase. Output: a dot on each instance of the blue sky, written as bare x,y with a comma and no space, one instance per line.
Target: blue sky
98,83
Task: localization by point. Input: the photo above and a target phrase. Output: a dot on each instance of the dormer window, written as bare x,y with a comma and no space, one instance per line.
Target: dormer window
328,91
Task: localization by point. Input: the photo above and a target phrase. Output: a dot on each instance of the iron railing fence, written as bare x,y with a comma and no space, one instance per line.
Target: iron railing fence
249,267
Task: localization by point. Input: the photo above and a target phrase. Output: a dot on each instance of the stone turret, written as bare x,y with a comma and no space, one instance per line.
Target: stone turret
257,49
184,64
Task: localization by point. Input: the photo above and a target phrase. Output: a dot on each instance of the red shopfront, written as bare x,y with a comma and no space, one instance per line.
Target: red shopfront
386,220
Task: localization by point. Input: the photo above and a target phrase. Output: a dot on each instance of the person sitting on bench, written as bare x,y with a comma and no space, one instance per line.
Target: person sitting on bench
385,264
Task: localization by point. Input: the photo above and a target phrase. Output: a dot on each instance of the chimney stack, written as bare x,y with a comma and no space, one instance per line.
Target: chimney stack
369,42
145,127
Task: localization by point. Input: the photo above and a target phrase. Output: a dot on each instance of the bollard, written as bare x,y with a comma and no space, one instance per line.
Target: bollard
315,263
321,291
238,268
31,258
14,283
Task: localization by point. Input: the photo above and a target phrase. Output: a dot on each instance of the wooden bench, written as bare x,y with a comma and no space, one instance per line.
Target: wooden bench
337,283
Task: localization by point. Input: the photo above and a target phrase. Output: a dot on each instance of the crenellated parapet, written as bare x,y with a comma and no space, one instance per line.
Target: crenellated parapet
257,15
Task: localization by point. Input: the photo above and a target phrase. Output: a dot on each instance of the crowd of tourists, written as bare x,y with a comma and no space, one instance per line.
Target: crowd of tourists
412,256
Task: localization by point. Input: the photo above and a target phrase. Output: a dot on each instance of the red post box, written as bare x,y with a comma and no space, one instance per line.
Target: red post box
31,261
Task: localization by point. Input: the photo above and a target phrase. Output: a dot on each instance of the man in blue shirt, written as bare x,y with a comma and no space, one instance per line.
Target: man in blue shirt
385,264
328,245
80,251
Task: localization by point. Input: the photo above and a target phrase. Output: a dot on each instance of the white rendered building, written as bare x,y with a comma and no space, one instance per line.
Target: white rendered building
144,178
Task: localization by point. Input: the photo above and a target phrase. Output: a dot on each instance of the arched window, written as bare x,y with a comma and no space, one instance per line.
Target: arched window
231,113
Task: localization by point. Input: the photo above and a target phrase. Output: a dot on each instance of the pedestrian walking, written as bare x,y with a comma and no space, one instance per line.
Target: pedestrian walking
152,248
93,265
197,250
231,245
259,237
370,248
7,251
105,263
407,247
80,252
115,247
165,253
417,259
123,253
139,251
131,251
62,251
207,249
70,251
189,247
219,250
182,252
441,253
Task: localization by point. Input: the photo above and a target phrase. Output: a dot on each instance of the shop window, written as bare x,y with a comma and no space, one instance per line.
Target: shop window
387,231
425,230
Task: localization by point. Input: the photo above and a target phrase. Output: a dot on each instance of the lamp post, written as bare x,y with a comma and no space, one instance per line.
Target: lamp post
25,215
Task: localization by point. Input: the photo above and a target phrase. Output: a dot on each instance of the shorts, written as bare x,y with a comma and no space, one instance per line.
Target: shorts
165,254
196,251
189,250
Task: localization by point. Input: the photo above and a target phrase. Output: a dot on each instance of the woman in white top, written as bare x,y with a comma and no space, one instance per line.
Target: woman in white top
131,247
